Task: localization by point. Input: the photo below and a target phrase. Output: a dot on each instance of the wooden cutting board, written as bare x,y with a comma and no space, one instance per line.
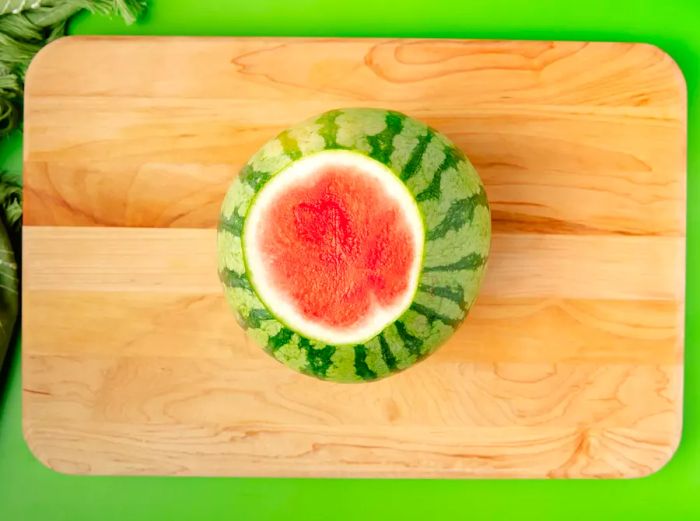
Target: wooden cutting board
570,364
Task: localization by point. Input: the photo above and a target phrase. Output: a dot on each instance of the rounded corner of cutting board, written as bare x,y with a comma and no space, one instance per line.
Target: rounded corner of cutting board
52,52
43,455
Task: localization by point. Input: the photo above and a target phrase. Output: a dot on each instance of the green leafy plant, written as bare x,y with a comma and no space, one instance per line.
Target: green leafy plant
10,218
25,27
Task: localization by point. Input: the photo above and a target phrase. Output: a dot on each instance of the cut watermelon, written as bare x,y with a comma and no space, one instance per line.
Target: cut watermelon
352,245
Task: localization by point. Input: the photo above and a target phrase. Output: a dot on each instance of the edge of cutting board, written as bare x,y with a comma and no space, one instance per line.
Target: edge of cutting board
86,438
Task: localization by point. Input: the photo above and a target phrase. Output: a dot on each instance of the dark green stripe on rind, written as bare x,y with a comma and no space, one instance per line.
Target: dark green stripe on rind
471,261
405,357
254,178
455,294
361,368
280,339
235,280
448,193
410,342
387,355
416,157
459,214
234,224
433,191
268,161
382,143
329,128
256,316
433,315
318,359
431,160
431,333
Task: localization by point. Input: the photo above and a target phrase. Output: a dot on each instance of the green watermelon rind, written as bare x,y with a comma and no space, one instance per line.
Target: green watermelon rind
454,210
251,272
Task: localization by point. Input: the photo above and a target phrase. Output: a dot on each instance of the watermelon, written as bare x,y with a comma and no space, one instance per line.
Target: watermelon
352,245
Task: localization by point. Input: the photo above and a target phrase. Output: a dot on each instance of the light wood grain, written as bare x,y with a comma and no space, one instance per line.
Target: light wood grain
310,451
570,364
567,135
159,259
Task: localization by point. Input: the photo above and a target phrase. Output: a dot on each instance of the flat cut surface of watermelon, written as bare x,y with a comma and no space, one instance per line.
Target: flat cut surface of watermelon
334,246
353,244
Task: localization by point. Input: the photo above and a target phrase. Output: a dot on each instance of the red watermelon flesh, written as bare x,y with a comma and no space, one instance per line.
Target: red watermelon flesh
337,244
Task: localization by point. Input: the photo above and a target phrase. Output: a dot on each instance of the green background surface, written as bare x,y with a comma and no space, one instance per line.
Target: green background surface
28,491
